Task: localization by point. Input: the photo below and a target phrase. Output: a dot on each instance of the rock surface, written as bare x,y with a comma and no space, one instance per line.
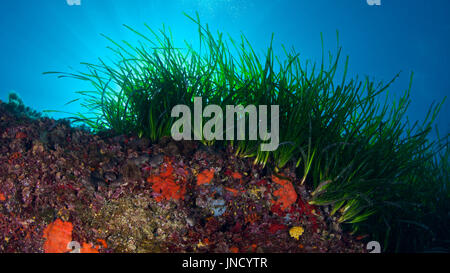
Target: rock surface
122,194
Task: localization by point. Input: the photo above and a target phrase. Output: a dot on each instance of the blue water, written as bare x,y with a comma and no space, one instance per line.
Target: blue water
399,35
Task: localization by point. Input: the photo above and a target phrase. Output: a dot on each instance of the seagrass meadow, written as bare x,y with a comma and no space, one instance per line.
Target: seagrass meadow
347,155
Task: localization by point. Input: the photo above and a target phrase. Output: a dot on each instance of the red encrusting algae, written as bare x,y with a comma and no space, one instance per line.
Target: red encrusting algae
234,249
167,186
88,248
286,195
58,235
233,191
236,175
205,177
21,135
102,242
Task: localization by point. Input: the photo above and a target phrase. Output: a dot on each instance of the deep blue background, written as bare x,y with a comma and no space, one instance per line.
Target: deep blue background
399,35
